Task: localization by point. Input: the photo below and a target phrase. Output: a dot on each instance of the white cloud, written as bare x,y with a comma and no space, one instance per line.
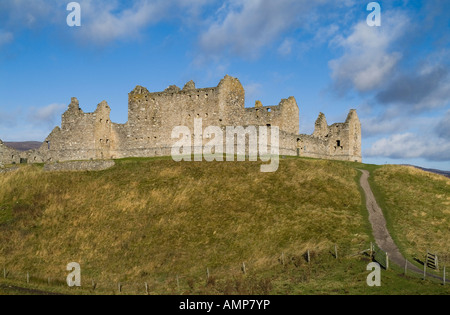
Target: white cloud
285,48
422,88
394,122
368,60
409,146
47,115
245,26
103,21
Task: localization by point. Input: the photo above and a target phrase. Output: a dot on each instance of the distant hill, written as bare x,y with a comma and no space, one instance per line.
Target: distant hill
24,146
445,173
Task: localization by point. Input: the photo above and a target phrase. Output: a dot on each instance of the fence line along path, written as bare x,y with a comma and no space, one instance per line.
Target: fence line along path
379,227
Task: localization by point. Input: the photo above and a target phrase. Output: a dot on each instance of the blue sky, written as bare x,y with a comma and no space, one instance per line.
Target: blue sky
321,52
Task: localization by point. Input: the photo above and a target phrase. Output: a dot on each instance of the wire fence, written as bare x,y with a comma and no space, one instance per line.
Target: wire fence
410,270
177,283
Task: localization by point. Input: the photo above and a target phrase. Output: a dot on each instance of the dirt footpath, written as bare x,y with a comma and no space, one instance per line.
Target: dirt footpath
379,228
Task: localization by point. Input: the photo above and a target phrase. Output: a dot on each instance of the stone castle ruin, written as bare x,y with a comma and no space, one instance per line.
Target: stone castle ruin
152,117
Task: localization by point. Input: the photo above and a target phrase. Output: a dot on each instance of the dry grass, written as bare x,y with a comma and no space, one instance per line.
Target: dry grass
417,206
149,220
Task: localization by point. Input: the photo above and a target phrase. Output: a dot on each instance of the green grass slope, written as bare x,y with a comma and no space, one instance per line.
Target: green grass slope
168,224
417,208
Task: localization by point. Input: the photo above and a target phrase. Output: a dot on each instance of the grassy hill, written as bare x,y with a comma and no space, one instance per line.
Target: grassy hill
168,224
416,204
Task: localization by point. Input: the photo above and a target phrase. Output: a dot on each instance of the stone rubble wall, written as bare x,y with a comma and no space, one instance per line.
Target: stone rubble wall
79,166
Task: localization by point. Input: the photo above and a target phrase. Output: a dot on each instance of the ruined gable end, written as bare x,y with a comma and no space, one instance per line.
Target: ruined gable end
189,86
352,117
139,90
172,89
8,155
321,127
232,92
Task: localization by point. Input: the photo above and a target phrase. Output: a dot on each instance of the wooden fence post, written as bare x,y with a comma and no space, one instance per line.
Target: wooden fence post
28,278
243,268
146,288
207,273
4,273
387,261
424,270
335,251
120,287
444,276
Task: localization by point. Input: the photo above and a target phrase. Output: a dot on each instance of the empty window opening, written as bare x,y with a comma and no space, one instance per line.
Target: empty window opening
338,143
48,145
269,110
269,125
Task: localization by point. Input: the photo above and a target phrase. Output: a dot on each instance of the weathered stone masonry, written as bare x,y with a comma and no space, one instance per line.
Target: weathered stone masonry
152,117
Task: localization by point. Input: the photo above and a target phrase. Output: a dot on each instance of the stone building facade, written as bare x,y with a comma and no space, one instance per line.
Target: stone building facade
152,117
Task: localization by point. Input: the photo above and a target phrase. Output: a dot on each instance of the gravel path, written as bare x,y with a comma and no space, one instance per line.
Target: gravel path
380,231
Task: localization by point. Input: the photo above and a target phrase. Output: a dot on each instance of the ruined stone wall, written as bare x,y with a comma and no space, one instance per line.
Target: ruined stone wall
82,136
79,166
152,117
8,155
340,141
